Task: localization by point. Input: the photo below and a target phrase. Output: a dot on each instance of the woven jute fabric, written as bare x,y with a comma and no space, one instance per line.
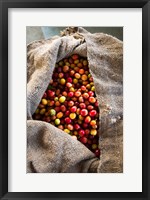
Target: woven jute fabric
50,150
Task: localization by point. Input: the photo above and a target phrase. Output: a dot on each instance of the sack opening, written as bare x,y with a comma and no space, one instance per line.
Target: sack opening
70,103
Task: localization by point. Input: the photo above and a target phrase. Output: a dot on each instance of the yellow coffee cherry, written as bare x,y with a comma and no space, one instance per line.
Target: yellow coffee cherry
93,88
72,115
93,132
44,102
42,111
81,117
67,130
75,80
94,146
37,111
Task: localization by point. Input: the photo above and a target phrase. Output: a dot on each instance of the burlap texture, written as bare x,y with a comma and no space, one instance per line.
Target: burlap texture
52,150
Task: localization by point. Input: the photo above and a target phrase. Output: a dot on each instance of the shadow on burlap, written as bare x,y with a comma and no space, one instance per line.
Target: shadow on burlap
50,150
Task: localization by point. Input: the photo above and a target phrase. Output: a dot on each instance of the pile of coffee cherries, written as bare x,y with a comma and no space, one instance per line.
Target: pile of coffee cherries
70,103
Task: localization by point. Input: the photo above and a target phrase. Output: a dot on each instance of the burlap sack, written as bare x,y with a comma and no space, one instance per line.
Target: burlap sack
51,150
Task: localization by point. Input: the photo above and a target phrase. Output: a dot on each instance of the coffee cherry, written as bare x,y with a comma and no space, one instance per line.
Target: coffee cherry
61,127
90,107
81,133
92,113
94,127
70,127
85,125
76,61
78,111
81,117
70,103
85,62
94,146
84,77
97,152
93,132
61,75
47,119
83,140
82,105
87,131
37,111
67,130
70,94
76,126
88,86
85,95
91,84
81,71
57,103
73,109
67,63
80,64
53,118
72,65
93,123
57,121
91,94
75,81
80,99
77,93
57,108
50,93
44,95
62,99
83,112
72,115
77,75
50,102
59,115
52,112
69,85
75,57
67,120
72,72
62,81
75,133
87,119
91,79
69,79
61,63
42,111
79,121
65,68
67,113
56,99
93,88
44,101
63,108
83,88
92,100
70,60
96,104
75,100
85,83
57,92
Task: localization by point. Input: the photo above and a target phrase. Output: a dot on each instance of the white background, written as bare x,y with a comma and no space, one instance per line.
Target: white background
131,179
